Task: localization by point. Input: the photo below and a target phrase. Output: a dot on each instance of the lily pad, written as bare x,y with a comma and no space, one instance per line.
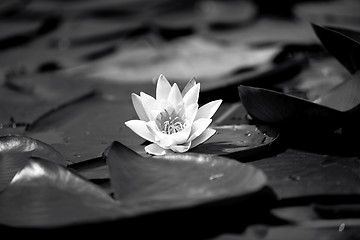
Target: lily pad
327,113
178,180
26,99
335,13
257,76
239,141
268,30
52,196
181,60
85,130
16,34
44,194
343,44
14,154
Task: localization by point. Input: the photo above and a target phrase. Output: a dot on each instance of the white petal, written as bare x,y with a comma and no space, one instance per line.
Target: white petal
141,129
149,104
161,139
181,148
198,127
154,149
163,88
208,110
203,137
192,96
136,100
175,97
167,140
181,137
191,112
188,86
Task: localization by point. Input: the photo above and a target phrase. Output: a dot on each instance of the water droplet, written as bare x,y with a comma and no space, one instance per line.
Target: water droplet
342,227
13,125
216,176
248,134
295,177
1,125
77,155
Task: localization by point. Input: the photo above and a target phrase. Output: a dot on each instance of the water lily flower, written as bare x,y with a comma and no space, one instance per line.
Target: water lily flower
172,121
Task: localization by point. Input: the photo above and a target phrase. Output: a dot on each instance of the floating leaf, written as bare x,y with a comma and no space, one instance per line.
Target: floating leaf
38,149
268,30
181,60
178,180
23,36
284,110
84,131
25,100
343,97
50,195
14,153
44,194
335,13
238,141
343,44
294,171
327,113
94,169
263,75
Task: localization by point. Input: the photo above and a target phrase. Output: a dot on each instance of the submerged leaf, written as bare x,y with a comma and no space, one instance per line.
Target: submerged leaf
178,180
343,44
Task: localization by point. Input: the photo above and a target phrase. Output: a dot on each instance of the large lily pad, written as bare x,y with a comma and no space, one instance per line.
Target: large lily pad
26,100
45,195
239,141
179,180
15,152
335,13
53,196
84,131
344,44
180,60
326,113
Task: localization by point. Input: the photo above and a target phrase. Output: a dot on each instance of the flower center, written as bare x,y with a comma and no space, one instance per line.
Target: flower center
170,123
